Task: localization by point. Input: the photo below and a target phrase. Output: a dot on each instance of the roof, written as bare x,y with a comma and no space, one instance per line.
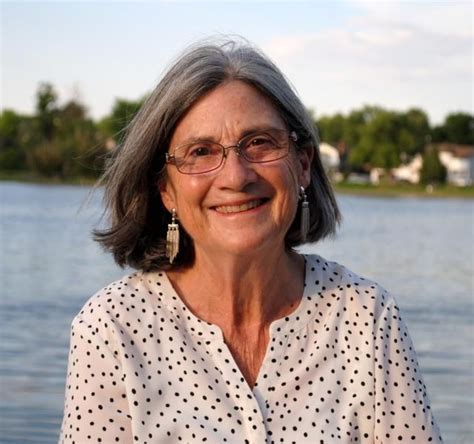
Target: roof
462,151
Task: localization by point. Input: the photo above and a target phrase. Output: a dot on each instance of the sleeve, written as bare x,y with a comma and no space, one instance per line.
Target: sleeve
402,409
96,408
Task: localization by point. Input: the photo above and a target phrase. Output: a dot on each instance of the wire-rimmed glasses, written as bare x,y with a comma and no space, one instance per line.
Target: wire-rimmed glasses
202,156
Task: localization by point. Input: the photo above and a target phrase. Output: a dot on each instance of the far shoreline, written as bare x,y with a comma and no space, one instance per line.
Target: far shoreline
342,188
405,190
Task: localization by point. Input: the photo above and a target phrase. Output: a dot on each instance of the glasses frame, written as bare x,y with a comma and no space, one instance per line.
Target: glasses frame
292,136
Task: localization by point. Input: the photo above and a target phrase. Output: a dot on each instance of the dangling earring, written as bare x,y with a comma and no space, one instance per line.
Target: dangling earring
304,215
172,238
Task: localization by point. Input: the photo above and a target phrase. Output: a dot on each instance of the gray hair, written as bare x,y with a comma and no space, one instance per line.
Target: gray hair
136,235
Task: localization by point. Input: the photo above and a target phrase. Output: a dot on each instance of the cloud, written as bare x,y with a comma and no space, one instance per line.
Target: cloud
445,16
385,55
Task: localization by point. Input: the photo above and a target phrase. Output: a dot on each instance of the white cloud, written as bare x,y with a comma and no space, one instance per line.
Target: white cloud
387,56
444,16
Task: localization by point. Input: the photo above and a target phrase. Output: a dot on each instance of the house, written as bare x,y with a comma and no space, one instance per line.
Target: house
409,172
376,174
457,159
359,178
329,156
459,163
330,160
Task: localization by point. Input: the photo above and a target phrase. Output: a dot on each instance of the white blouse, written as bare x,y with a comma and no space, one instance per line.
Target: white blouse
340,369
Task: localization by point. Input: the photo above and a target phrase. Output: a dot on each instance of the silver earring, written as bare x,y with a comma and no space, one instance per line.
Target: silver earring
304,215
172,238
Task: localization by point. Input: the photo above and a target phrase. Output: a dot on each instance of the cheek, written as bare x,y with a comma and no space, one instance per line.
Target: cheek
289,191
292,174
190,192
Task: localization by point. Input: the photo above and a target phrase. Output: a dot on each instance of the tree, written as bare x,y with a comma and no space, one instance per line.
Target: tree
46,109
438,134
414,132
77,141
378,144
10,154
432,171
331,129
46,159
17,135
354,123
459,128
72,147
122,114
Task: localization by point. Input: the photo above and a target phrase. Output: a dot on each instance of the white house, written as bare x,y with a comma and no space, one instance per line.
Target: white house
457,159
459,163
329,157
409,172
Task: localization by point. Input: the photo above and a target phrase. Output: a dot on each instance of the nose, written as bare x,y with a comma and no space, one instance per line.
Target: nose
236,172
235,148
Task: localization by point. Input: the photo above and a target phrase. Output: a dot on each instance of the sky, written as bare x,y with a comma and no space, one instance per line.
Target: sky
339,55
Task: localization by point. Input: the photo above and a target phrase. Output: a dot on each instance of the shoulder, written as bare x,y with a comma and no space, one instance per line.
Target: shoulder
335,282
128,301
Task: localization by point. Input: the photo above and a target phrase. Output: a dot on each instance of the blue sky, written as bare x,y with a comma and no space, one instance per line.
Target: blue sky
339,55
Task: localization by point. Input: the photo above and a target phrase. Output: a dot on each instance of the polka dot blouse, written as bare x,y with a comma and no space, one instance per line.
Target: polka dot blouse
340,369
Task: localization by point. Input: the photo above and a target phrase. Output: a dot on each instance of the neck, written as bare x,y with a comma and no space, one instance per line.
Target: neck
241,293
243,296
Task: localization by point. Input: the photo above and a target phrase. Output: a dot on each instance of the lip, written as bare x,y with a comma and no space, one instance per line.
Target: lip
245,206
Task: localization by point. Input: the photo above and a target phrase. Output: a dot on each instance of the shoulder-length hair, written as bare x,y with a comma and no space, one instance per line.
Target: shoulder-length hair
137,218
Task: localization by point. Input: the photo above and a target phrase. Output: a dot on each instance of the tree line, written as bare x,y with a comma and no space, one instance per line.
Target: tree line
63,141
376,137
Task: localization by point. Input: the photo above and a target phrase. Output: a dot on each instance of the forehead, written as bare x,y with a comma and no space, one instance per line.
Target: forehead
228,111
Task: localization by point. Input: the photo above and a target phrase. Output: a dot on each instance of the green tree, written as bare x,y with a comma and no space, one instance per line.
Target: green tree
46,109
432,171
438,134
331,128
122,114
46,159
17,135
378,144
77,140
354,124
414,131
459,128
11,157
383,138
72,148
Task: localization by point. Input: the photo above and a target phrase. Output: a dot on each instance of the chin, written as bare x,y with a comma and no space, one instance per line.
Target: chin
251,246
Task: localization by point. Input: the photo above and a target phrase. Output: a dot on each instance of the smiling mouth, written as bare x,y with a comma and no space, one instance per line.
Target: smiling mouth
240,208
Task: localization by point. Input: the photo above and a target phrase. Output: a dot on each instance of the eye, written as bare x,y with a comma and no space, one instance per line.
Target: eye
260,143
259,140
201,150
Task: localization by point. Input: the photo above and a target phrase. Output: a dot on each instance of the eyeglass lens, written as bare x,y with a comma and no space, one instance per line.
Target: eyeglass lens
203,156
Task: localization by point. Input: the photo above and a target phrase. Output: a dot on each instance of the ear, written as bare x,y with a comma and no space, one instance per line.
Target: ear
305,160
167,194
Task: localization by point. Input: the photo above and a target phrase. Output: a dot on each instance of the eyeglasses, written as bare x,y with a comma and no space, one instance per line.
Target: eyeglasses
203,156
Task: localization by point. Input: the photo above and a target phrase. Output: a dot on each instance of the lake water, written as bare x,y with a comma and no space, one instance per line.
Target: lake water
421,250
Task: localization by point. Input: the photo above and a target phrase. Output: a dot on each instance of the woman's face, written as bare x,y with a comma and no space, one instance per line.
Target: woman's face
241,207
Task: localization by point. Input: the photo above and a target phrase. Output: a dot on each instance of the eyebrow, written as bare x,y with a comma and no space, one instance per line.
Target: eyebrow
244,133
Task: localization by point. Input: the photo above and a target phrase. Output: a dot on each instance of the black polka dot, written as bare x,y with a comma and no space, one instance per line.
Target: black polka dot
340,368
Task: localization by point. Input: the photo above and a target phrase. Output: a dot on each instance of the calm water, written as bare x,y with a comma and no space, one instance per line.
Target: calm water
421,250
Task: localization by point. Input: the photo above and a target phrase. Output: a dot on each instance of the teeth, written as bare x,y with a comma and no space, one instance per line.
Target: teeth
238,208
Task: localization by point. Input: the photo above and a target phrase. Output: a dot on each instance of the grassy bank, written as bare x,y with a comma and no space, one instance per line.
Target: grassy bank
405,190
383,190
29,177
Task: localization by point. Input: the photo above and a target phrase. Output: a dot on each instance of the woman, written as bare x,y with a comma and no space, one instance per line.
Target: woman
226,334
